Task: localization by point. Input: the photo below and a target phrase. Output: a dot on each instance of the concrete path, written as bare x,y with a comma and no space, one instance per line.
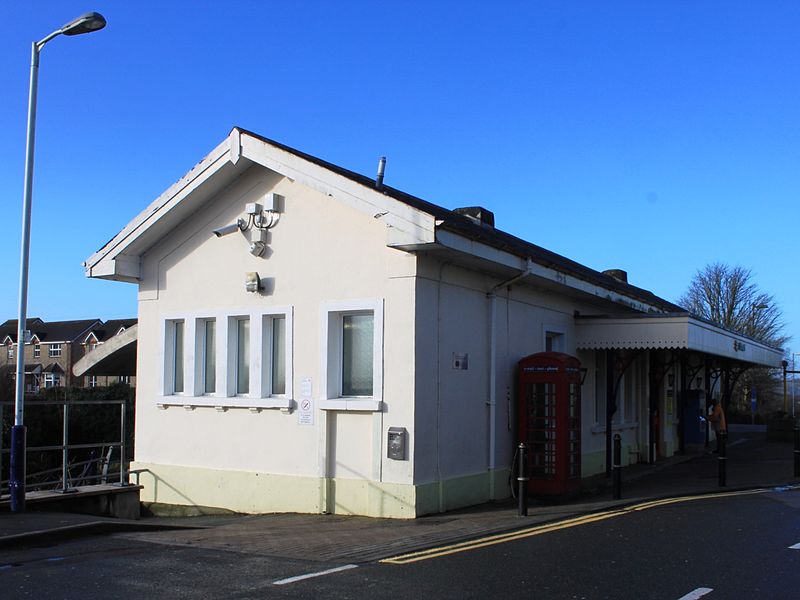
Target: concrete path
753,463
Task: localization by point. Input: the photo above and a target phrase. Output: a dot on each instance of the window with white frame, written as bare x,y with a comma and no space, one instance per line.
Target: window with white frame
37,351
10,351
51,380
553,341
358,332
238,358
54,351
208,333
353,354
633,391
92,381
273,352
241,333
124,379
174,357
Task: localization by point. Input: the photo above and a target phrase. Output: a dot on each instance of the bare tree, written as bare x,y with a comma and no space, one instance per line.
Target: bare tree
729,297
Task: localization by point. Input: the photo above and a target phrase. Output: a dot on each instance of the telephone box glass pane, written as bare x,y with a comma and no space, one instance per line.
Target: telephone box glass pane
541,402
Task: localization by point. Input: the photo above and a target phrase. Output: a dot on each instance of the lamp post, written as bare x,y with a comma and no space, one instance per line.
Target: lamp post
794,373
754,315
86,23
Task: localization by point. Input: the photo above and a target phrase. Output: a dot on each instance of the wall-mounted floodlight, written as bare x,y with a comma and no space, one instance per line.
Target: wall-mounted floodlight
261,216
239,225
252,282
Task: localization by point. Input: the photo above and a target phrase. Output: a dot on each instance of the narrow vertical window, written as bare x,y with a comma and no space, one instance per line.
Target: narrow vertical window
278,356
210,357
357,355
177,346
242,356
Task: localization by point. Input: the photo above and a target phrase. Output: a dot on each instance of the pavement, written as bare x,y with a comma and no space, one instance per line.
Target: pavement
753,463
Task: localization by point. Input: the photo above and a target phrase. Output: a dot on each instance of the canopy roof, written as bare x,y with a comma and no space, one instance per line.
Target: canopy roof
679,331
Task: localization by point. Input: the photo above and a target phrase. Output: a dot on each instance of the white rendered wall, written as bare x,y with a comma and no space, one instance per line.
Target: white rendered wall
320,252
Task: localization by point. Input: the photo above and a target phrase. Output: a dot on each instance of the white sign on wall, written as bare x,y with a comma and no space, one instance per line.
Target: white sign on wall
305,407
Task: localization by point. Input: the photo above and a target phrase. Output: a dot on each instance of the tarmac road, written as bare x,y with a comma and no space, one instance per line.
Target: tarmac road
732,546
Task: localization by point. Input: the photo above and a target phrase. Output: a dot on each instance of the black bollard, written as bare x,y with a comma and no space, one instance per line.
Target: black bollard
522,481
796,451
722,459
617,467
16,482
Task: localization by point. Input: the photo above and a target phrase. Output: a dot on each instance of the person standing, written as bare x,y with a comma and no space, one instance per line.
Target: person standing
716,415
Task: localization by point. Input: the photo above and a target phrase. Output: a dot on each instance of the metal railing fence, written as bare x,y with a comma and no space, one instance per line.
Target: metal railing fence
65,482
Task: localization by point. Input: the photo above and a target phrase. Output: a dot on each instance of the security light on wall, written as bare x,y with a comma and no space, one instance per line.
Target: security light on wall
252,281
260,217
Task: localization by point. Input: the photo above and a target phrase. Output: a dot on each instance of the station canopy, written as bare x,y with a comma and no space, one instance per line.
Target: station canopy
672,332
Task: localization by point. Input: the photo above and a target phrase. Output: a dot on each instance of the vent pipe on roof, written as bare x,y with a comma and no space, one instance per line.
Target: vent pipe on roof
617,274
381,169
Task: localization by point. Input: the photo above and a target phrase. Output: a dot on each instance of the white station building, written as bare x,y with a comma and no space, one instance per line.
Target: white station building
311,340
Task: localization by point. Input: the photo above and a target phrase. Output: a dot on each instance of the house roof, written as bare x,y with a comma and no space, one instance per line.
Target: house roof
414,224
52,332
462,225
105,330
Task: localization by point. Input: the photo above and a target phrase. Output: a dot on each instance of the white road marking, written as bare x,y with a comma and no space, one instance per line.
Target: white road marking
734,442
694,595
310,575
795,547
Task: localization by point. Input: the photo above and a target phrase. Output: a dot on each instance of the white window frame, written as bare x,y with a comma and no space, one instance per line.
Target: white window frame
54,351
331,314
233,356
558,335
225,396
37,350
10,352
200,353
167,384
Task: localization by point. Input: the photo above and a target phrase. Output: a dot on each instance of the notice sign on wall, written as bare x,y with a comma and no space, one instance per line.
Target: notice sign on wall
305,406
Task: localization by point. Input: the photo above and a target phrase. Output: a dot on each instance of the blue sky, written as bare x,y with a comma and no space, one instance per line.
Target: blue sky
655,137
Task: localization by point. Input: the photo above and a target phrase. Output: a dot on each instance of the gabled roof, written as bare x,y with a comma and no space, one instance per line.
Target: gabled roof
413,224
102,332
52,332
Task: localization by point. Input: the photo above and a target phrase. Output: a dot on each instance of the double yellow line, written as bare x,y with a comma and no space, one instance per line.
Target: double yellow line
502,538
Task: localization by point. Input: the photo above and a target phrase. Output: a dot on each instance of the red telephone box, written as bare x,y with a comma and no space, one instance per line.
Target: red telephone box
549,421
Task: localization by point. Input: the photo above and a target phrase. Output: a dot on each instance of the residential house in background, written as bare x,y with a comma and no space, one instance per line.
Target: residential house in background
313,340
55,347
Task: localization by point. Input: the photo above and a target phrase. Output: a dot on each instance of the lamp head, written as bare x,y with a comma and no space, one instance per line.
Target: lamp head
86,23
252,282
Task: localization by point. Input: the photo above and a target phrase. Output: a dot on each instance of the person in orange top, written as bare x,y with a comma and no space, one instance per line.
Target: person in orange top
717,417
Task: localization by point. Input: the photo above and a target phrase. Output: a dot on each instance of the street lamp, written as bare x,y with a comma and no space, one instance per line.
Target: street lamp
794,373
754,315
86,23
